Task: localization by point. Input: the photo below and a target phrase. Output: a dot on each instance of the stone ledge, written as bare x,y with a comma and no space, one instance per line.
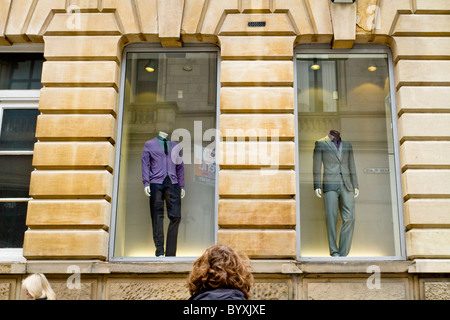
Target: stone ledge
346,266
12,268
142,267
430,266
263,266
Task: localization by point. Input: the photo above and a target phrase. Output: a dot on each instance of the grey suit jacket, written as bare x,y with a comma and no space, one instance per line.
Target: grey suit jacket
336,163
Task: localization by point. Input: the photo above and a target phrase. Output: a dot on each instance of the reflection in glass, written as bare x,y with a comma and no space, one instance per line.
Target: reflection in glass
176,96
344,95
15,174
18,129
21,71
12,224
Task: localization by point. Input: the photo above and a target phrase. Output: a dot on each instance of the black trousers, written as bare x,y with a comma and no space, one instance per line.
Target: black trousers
170,194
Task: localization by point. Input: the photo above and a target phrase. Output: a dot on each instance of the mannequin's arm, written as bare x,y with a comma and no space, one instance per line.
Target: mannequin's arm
318,193
148,193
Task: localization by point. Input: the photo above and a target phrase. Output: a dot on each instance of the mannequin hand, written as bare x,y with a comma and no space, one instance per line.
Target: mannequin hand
147,191
183,193
319,193
356,193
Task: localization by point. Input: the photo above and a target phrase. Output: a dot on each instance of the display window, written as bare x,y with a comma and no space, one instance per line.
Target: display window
348,176
165,179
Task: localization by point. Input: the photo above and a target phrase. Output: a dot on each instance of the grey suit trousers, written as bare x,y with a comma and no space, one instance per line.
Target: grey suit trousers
344,201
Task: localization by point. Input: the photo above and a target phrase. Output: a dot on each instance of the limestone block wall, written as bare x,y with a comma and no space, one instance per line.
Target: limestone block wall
421,54
69,216
257,206
274,280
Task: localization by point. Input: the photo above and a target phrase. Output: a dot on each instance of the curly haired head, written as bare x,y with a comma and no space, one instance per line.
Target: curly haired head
220,267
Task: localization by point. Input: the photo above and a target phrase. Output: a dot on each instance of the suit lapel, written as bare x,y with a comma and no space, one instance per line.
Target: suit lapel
333,147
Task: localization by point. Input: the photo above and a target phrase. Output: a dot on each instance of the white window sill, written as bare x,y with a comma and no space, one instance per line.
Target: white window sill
12,255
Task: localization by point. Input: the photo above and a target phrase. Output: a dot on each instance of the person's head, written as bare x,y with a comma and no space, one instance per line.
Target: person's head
37,286
220,267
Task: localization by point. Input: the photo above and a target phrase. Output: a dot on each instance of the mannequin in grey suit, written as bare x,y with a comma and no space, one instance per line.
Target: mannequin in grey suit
339,188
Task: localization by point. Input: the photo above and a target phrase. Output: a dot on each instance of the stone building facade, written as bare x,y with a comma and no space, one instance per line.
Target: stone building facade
73,188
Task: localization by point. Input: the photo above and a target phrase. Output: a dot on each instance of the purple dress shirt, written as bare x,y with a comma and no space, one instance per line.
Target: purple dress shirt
156,165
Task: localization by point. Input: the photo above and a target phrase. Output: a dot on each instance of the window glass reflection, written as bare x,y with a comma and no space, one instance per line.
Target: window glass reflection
15,174
21,71
173,95
12,224
18,129
348,202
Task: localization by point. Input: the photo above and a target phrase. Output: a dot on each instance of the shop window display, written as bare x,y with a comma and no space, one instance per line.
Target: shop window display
348,183
166,186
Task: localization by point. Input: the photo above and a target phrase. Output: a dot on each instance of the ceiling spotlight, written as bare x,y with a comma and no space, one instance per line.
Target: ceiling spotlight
187,67
315,65
343,1
150,66
372,66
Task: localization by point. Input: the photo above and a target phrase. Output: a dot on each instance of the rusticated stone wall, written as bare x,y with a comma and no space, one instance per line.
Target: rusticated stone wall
77,128
69,216
274,280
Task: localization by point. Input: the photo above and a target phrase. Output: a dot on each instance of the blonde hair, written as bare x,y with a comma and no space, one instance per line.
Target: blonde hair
38,287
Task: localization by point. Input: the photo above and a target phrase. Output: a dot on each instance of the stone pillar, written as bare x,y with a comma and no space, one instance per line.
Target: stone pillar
420,43
257,208
72,185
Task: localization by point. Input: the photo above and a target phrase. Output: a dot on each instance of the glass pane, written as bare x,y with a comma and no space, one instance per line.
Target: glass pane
12,224
349,94
21,71
18,129
15,174
173,93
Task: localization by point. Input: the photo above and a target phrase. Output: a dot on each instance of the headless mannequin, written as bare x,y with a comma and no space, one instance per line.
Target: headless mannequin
147,189
334,135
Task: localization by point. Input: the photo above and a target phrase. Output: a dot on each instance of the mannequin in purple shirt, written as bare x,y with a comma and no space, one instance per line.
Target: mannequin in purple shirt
146,168
163,179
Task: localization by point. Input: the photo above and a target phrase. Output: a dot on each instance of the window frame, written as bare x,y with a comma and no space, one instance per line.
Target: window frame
18,99
156,48
357,49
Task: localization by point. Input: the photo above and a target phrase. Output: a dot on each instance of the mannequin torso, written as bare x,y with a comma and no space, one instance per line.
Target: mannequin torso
164,136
